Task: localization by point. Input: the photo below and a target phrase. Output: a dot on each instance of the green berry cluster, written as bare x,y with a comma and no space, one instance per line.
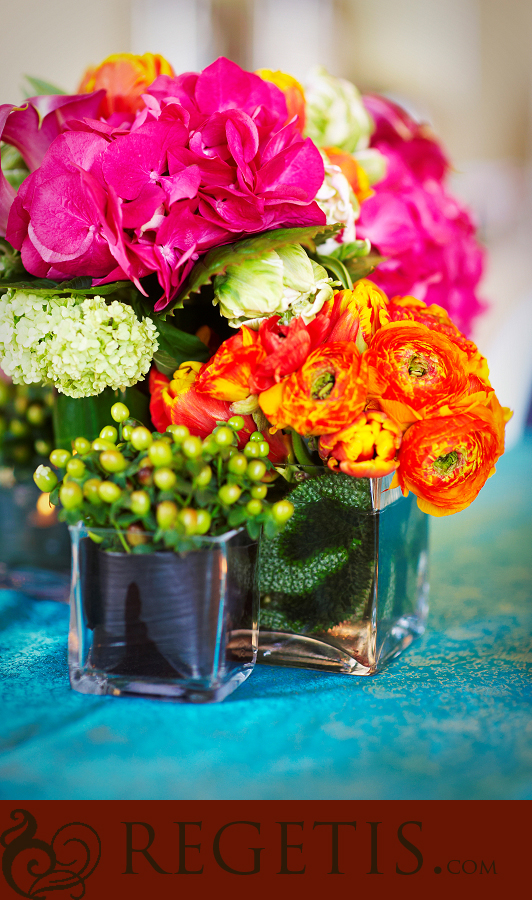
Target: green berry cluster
164,490
26,431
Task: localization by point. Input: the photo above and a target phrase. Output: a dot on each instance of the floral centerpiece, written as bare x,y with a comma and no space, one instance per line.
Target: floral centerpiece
287,257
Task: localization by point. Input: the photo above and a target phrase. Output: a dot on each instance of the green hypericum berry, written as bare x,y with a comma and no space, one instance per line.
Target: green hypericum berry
109,433
136,535
264,448
282,511
119,412
45,479
59,458
109,492
254,507
192,447
189,519
164,478
140,503
166,514
41,447
236,423
237,464
178,432
35,414
160,453
259,491
100,444
251,450
20,404
204,477
256,436
127,431
224,436
203,521
71,495
141,438
229,494
18,428
90,489
145,476
256,470
82,446
112,461
75,467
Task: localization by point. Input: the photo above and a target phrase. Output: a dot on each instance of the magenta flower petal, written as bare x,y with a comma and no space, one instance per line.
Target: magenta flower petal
33,127
138,213
7,192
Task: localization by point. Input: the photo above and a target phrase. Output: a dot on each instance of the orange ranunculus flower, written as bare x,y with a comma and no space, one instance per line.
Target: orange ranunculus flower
293,92
353,171
358,314
446,460
366,449
125,77
413,371
226,376
437,319
324,395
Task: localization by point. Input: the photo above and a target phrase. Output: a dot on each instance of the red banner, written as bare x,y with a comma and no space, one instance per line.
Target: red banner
155,849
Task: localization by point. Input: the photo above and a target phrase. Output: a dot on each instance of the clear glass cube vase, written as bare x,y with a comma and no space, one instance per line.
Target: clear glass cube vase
345,587
162,624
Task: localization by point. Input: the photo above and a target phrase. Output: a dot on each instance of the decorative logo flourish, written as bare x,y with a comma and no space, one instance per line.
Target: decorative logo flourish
34,868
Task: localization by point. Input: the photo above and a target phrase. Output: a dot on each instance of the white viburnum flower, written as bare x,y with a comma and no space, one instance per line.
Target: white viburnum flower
283,282
335,113
80,345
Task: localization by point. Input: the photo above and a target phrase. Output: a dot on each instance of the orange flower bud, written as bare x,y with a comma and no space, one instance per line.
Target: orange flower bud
446,460
293,92
366,449
353,171
125,77
324,395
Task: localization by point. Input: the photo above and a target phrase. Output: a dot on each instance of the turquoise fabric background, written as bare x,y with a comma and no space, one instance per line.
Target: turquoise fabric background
450,719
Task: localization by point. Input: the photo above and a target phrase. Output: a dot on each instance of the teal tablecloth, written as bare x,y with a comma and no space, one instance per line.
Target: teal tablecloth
450,719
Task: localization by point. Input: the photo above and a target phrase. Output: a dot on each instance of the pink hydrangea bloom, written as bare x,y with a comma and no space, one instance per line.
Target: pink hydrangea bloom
426,235
210,158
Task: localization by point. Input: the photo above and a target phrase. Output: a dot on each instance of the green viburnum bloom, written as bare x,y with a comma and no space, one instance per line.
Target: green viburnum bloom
80,345
335,114
283,282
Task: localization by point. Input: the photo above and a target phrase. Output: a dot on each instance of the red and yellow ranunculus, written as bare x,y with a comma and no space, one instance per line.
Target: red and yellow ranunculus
324,395
358,314
227,375
413,371
446,460
366,449
125,77
176,401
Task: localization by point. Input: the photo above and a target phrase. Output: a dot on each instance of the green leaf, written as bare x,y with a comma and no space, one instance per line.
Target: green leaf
40,88
353,249
80,285
217,260
337,268
176,347
361,267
